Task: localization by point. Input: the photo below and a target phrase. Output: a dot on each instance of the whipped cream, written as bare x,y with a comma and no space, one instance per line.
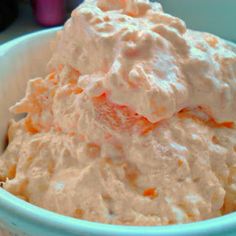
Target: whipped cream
135,125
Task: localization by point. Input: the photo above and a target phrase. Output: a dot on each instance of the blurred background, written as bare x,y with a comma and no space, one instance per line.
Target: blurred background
18,17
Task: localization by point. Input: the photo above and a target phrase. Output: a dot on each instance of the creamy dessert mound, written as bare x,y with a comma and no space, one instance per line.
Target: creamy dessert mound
135,124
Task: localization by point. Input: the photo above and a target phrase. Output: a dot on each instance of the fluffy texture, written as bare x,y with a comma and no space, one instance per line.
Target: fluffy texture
135,125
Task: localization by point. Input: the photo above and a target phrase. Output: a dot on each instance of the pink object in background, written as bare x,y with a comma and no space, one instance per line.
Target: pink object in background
49,12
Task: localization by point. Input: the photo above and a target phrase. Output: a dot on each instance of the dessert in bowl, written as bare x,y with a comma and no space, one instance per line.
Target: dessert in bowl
134,125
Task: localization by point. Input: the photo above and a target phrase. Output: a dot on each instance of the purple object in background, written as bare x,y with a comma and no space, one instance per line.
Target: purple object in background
49,12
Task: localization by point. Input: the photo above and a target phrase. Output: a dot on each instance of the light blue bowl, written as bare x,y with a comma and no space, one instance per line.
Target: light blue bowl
22,218
26,219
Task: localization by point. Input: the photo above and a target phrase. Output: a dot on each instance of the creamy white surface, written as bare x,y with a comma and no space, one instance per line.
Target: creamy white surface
93,156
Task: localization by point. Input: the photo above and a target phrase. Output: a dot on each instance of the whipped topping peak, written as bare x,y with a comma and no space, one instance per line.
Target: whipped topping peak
148,60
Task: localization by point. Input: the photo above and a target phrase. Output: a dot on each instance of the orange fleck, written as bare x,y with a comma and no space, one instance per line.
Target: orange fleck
78,213
235,148
130,14
190,215
73,90
212,41
132,52
147,126
215,124
72,133
72,81
52,78
106,197
97,21
22,187
215,140
150,192
93,149
58,128
29,126
2,178
10,132
74,73
211,122
12,172
108,160
77,90
171,222
131,173
180,162
106,18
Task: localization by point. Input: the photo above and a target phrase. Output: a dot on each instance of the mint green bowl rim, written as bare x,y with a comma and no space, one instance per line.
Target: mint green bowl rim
17,209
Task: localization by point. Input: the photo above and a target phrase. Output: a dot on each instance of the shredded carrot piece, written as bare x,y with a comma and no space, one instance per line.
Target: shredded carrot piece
106,18
2,178
30,127
12,172
212,41
150,192
131,173
130,14
228,124
78,213
22,187
180,162
77,90
73,90
186,113
147,126
52,78
93,149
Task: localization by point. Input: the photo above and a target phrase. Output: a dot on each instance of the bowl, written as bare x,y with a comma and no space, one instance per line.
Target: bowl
25,58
